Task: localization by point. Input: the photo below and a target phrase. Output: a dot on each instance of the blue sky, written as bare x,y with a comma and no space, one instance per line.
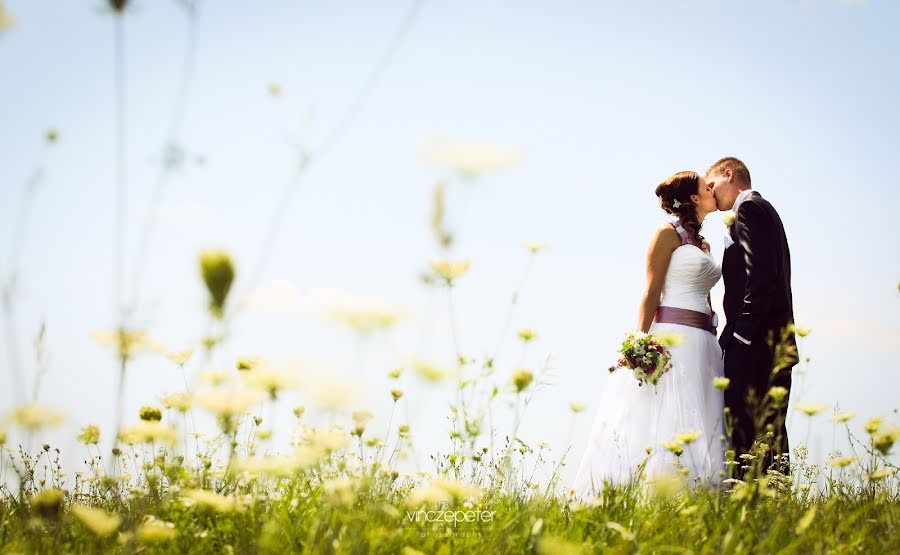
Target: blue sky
604,99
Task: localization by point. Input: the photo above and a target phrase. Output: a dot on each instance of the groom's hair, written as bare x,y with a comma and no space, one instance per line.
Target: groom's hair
730,163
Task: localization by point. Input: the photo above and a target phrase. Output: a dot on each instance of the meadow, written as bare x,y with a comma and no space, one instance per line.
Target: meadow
215,467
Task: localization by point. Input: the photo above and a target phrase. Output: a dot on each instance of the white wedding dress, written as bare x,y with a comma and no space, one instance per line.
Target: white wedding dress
632,418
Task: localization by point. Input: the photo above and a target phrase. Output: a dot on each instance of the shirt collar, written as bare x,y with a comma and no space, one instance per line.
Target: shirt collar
741,198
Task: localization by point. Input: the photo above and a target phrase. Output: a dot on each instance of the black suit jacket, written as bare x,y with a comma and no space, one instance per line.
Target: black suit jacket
757,274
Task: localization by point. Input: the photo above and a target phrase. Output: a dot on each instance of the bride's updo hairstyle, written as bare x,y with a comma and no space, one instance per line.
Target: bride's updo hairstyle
675,198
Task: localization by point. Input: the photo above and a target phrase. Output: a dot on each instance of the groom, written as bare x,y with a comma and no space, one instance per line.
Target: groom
756,269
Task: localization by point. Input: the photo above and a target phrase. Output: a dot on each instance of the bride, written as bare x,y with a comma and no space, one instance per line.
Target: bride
646,425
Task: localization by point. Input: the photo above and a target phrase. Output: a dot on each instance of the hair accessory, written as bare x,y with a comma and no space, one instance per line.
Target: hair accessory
676,203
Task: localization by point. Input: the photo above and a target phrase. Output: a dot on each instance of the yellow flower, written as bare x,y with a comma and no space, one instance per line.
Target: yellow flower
688,437
880,474
361,418
214,377
247,363
450,270
802,332
148,432
729,217
3,437
778,393
150,414
213,501
270,381
180,357
469,159
843,416
33,417
127,342
90,435
873,424
341,492
395,373
431,372
576,407
7,20
883,441
48,503
217,271
366,316
275,466
721,383
274,89
535,246
810,409
522,378
325,441
674,447
396,394
98,521
178,401
229,402
527,335
298,411
154,530
52,134
669,339
841,462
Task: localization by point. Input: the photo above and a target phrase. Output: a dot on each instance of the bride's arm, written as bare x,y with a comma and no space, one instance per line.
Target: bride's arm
664,243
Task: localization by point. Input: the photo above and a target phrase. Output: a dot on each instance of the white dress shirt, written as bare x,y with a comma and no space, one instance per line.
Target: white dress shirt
729,241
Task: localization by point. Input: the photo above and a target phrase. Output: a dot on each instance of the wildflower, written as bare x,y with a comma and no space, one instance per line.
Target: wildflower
522,378
395,373
298,411
341,492
33,417
806,520
98,521
214,377
127,342
810,409
150,414
7,20
883,441
213,501
721,383
148,432
217,270
843,416
403,430
396,394
363,314
326,441
450,270
624,532
535,246
729,217
470,160
154,530
48,503
778,393
527,335
52,134
90,435
873,425
360,418
687,437
180,357
178,401
3,437
881,474
802,332
674,447
576,407
841,462
270,381
431,372
247,363
228,402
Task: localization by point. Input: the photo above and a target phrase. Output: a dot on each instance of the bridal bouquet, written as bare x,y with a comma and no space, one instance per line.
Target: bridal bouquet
646,356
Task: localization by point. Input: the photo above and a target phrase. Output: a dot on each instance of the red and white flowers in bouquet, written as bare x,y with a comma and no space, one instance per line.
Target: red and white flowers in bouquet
646,356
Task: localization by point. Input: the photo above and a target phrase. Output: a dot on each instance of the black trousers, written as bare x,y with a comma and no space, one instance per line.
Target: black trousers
754,415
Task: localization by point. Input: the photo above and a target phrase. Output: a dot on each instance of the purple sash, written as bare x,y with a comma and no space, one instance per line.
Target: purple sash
685,317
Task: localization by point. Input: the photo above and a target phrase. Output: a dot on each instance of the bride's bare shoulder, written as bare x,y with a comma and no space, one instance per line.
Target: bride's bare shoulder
665,235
